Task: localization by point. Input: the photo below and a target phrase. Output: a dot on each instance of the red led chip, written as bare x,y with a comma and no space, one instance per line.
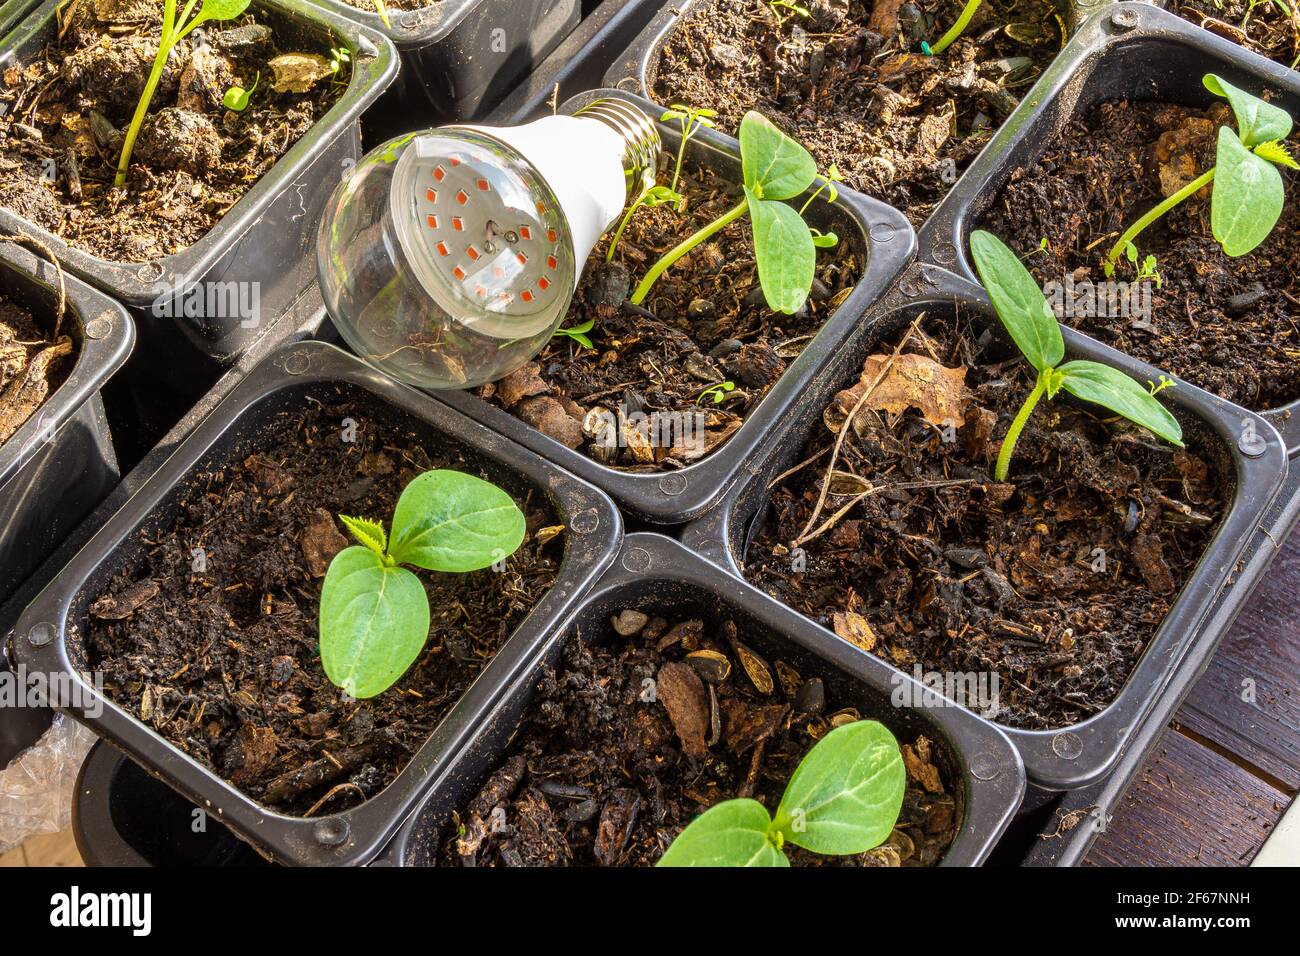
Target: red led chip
462,197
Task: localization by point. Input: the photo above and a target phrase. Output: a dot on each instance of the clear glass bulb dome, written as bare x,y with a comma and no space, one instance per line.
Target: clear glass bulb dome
445,259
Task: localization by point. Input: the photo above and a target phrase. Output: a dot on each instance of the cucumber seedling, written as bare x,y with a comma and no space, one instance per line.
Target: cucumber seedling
775,168
717,393
174,30
374,613
843,799
1247,197
1031,323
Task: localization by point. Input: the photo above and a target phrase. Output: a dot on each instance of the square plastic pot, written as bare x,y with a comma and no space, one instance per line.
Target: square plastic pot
60,464
656,575
459,57
268,237
12,13
1130,51
46,638
882,239
1080,754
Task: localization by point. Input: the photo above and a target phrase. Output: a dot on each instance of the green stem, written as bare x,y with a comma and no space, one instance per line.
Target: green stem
165,43
660,267
957,28
804,208
627,217
1191,189
1018,425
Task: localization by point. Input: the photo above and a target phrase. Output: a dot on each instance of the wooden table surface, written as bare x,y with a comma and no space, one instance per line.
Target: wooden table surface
1229,766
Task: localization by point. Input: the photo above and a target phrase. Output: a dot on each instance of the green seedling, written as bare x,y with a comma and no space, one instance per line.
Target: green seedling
787,10
691,120
174,30
1247,198
579,333
775,168
955,31
717,393
374,613
1029,320
339,58
1147,269
843,799
649,197
236,98
382,9
1155,388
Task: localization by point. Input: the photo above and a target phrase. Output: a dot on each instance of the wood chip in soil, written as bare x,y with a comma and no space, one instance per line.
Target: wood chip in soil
31,366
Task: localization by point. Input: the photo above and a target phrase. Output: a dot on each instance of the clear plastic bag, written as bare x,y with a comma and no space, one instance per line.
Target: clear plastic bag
36,789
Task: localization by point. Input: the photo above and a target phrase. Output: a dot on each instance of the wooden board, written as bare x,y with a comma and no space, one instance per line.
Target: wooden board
1189,806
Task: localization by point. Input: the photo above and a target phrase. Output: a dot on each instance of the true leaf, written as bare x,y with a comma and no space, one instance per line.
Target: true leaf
774,165
1019,301
216,10
846,793
1113,389
784,251
374,620
1247,199
732,833
451,521
370,533
1257,121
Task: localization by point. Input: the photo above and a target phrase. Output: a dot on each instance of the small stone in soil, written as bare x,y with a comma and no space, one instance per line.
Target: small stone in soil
629,622
549,417
609,284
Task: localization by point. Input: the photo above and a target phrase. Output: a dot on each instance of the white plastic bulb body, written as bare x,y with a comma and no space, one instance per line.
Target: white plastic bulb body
448,258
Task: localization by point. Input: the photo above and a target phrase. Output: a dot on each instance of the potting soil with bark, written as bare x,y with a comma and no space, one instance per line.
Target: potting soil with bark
603,772
704,323
1229,325
32,366
222,658
851,84
1270,28
69,105
1054,581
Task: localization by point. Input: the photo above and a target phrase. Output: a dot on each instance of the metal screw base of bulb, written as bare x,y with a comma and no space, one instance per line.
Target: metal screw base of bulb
642,145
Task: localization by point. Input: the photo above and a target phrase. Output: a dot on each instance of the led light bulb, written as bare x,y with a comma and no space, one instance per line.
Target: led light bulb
448,257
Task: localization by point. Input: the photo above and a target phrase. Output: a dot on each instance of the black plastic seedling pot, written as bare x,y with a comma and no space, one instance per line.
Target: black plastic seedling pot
1077,755
265,241
60,464
48,639
459,57
656,575
1131,51
883,240
12,13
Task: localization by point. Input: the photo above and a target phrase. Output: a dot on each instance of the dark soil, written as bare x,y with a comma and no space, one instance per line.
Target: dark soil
705,322
850,82
1227,325
224,662
944,569
600,775
1266,28
67,109
33,363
